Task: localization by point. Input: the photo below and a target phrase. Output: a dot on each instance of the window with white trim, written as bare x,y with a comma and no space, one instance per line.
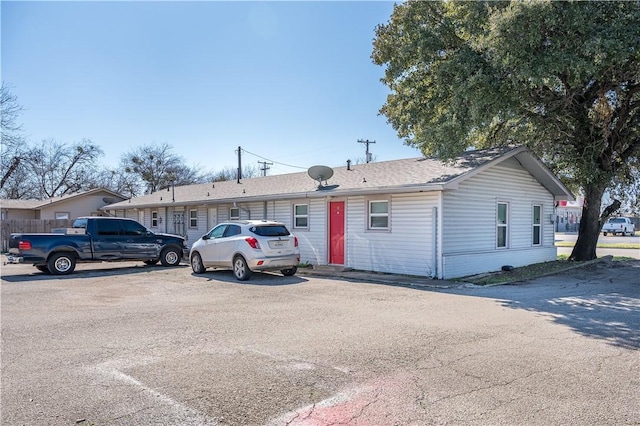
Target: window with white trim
154,219
62,215
300,215
378,213
234,213
502,225
193,218
537,225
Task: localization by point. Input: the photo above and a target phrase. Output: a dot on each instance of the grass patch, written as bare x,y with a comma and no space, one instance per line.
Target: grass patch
523,273
603,245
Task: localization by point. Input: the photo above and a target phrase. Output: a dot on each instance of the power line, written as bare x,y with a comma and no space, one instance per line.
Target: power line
272,161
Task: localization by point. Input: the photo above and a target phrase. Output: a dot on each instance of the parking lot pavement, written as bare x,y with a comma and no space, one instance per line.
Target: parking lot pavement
124,344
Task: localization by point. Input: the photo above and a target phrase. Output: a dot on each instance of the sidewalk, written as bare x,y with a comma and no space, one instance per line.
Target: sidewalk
423,282
378,277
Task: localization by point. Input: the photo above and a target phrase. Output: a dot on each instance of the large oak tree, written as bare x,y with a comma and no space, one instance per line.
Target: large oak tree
562,78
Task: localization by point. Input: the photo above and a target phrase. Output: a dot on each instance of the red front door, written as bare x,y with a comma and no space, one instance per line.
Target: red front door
336,233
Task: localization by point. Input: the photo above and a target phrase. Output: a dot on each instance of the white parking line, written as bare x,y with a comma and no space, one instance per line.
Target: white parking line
305,414
184,414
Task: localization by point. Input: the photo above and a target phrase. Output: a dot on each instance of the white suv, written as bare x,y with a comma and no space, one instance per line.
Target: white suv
246,246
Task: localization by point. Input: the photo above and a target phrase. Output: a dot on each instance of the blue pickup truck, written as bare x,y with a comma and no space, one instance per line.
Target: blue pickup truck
97,239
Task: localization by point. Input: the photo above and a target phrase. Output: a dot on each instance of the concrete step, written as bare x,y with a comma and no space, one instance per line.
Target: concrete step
331,268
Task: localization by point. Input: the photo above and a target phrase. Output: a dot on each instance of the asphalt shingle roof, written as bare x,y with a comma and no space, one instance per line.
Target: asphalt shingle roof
20,204
360,178
35,204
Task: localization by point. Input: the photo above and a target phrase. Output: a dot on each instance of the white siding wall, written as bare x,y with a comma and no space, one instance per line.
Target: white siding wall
405,249
469,222
282,211
223,212
147,218
194,233
312,241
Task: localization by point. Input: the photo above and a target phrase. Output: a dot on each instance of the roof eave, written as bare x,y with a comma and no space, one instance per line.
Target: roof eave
320,193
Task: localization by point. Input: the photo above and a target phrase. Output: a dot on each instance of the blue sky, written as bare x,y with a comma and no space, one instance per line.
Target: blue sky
292,82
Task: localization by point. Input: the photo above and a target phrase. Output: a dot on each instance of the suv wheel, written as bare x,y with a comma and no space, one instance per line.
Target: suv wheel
241,269
196,263
289,272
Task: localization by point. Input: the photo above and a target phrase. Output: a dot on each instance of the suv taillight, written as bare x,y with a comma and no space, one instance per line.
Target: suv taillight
24,245
252,242
295,240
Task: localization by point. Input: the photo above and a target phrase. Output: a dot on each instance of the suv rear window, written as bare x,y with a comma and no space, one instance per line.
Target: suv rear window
270,230
619,220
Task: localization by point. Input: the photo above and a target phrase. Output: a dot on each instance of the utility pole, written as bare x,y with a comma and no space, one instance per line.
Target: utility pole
239,164
367,142
264,167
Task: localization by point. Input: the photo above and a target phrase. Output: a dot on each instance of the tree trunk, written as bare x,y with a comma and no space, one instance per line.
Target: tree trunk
590,224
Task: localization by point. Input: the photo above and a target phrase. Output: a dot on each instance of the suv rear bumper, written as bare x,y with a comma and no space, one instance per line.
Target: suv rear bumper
274,263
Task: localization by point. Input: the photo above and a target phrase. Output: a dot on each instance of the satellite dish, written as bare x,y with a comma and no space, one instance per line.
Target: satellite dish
320,173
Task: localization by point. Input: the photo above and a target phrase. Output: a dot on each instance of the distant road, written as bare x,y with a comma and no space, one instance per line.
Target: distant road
601,252
572,237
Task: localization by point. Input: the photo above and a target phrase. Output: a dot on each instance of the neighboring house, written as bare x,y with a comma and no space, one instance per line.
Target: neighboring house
69,206
416,216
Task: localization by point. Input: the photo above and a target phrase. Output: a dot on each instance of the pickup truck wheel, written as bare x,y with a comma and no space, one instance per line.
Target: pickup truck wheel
196,263
61,263
604,233
241,269
170,257
289,272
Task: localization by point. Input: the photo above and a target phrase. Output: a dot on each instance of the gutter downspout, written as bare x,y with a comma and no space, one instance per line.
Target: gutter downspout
244,209
439,246
434,241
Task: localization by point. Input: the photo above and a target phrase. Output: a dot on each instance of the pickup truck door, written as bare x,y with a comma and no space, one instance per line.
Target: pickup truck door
139,242
107,239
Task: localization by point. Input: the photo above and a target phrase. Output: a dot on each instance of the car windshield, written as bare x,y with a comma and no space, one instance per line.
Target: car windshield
270,230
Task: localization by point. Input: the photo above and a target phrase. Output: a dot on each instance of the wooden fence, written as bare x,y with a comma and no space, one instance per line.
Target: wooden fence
10,226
